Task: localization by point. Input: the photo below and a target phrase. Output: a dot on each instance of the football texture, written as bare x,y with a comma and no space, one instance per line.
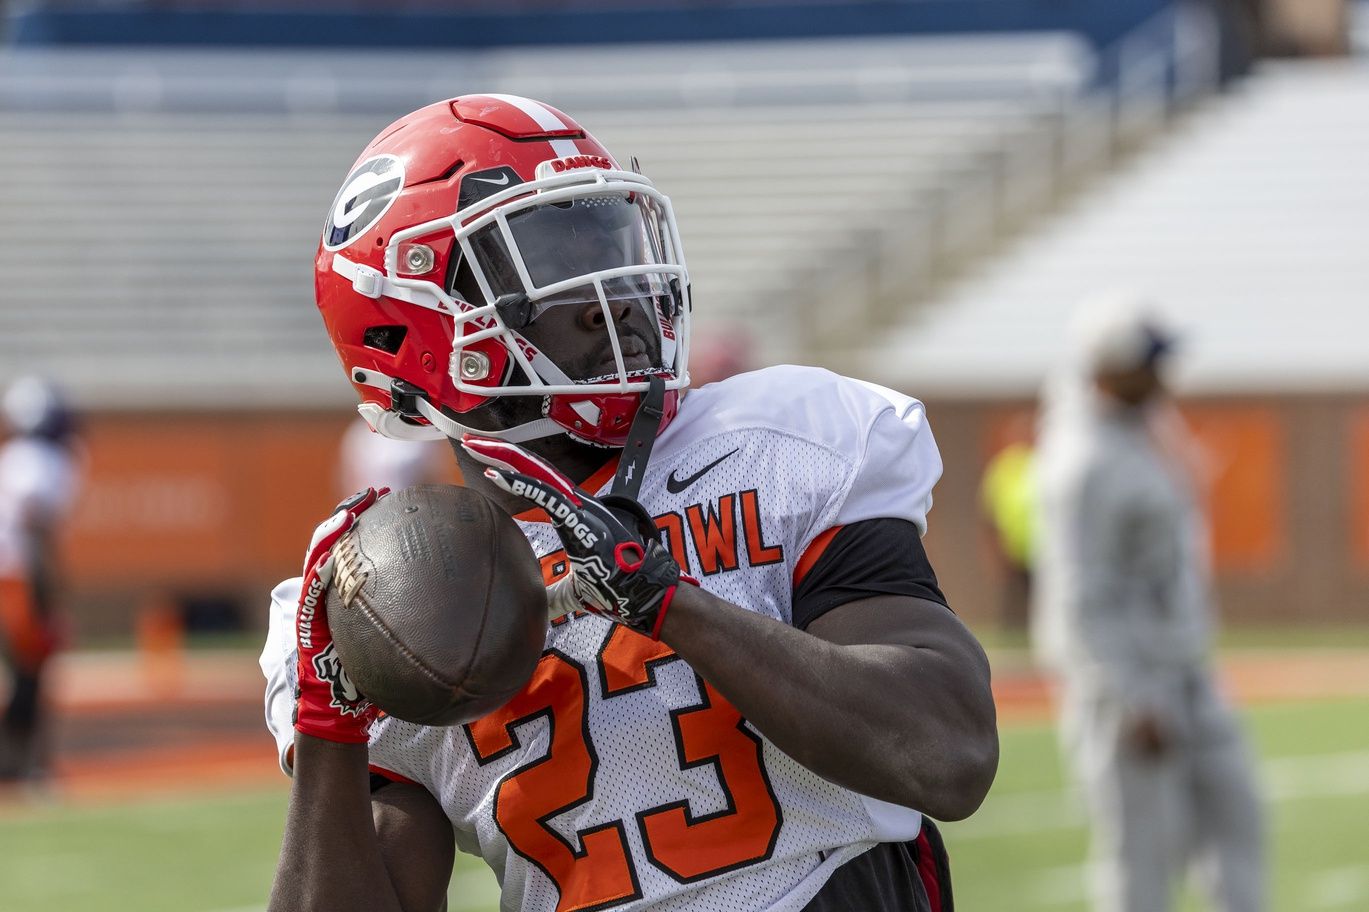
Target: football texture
437,605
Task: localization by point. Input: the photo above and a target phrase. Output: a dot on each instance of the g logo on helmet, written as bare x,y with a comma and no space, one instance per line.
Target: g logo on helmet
365,196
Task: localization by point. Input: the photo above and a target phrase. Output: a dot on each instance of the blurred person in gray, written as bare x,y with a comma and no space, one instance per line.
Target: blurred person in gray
39,478
1123,618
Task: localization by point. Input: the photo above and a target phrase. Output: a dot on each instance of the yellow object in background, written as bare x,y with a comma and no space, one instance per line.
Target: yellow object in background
1008,494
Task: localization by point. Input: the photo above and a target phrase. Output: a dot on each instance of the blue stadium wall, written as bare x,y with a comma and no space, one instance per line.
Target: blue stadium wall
429,25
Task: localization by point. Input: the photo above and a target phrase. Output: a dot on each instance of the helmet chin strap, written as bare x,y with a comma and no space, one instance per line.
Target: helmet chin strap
532,430
641,437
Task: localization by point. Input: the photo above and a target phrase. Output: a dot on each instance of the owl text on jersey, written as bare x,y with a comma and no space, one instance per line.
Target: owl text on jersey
706,539
712,529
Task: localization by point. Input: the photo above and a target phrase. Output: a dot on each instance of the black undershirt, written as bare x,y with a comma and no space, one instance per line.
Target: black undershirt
867,558
883,879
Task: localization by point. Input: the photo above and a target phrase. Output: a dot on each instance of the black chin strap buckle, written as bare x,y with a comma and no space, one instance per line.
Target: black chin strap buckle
641,437
404,397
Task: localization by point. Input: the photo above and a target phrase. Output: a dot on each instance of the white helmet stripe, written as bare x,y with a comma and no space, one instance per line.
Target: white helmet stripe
545,118
564,148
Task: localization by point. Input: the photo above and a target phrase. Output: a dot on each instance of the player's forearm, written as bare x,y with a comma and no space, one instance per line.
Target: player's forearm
911,724
330,857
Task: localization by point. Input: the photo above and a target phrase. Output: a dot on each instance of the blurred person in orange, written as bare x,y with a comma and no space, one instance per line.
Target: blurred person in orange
39,479
1007,496
1123,618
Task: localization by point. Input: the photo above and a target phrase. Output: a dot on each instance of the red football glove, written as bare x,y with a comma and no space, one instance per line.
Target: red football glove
618,566
327,704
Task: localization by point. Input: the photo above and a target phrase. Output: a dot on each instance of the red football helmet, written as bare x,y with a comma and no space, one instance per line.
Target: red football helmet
460,225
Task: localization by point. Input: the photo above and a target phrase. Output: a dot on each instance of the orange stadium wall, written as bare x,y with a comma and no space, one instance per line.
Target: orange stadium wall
1288,504
180,507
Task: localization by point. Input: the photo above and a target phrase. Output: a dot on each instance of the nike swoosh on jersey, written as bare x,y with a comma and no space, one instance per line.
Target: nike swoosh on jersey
676,485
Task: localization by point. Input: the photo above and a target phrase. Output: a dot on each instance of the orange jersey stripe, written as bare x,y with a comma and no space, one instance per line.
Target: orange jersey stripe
814,552
393,777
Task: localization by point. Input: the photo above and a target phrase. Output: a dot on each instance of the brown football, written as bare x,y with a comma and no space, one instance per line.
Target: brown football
437,605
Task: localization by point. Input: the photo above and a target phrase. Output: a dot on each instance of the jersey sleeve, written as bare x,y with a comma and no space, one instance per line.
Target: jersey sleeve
865,538
896,460
868,558
277,662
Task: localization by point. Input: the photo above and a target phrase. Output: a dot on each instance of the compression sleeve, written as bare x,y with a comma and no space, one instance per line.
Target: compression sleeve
859,560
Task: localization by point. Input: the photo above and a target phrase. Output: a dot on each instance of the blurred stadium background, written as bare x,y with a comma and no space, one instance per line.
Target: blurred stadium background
917,192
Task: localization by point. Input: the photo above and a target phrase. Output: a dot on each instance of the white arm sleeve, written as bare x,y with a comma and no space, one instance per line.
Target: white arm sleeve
278,660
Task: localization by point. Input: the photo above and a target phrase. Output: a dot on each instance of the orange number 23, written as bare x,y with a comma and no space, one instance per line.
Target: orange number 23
600,873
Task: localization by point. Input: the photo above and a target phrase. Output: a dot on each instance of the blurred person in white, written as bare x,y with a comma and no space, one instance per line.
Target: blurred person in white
370,460
39,480
1123,618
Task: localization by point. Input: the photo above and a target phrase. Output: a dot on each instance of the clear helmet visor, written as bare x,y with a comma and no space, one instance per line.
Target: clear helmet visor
604,253
539,249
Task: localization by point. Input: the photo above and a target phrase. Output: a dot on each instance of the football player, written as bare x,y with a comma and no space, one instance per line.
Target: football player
39,481
752,689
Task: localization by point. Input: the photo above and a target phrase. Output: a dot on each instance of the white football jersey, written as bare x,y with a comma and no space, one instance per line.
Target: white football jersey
618,778
38,479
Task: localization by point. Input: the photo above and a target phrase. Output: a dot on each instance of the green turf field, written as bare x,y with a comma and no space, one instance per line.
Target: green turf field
1023,851
1025,847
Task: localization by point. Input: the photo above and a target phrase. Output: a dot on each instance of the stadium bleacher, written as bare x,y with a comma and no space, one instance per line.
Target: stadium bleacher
1247,227
169,203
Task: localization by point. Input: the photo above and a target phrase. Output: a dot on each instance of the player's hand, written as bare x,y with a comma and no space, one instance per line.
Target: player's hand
1150,735
618,566
327,704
